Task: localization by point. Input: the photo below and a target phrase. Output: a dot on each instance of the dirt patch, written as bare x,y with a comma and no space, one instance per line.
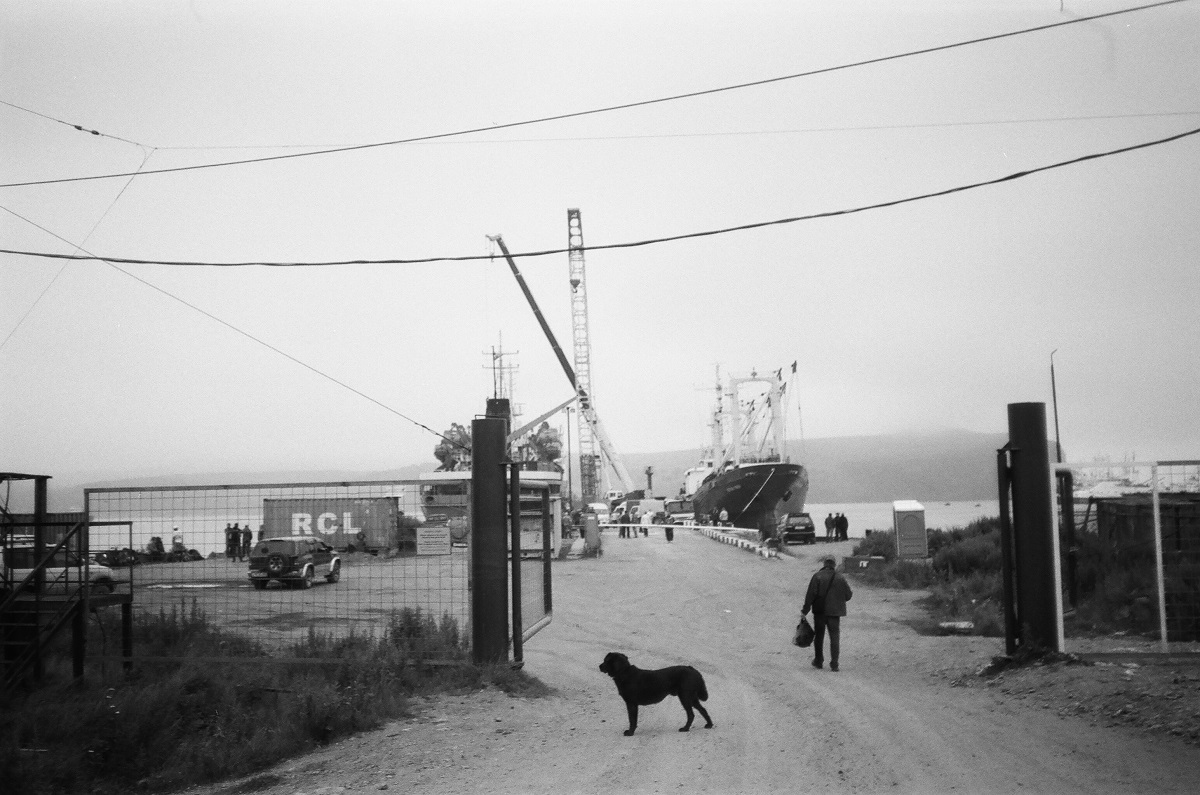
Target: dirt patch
907,712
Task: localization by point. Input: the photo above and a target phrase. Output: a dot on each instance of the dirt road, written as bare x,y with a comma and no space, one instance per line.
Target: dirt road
891,720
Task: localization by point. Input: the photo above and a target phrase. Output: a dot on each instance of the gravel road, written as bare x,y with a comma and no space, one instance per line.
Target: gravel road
893,719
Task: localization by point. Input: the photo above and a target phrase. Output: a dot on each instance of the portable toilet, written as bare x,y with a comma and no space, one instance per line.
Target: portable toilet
908,519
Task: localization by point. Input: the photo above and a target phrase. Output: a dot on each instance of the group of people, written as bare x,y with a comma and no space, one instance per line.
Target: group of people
837,528
629,523
237,541
719,518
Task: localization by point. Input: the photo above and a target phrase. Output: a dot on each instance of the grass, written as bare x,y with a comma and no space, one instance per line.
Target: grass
170,725
962,575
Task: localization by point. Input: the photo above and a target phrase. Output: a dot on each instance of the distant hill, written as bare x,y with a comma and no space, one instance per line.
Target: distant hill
947,465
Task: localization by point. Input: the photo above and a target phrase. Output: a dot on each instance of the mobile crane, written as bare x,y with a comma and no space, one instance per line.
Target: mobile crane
586,410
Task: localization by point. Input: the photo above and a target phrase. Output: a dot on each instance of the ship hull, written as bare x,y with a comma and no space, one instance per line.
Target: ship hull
751,493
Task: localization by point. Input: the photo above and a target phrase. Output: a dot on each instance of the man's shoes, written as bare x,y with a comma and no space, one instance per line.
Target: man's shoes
833,666
818,664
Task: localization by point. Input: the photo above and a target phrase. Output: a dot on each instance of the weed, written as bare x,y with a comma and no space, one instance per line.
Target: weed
179,723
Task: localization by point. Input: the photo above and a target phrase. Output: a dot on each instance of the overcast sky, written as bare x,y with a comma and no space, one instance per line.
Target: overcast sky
932,314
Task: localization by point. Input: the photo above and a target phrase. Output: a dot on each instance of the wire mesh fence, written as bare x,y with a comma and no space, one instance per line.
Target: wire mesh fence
1131,554
280,565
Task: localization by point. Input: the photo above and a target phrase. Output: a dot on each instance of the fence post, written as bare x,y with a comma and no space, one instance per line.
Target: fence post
514,521
1159,577
489,564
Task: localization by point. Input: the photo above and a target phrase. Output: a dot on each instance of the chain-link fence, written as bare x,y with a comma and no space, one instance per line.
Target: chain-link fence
283,564
1130,543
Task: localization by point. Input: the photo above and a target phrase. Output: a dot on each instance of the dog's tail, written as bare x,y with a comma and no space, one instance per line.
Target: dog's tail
702,693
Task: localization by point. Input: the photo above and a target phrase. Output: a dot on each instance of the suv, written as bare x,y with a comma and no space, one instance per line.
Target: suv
295,561
64,571
797,528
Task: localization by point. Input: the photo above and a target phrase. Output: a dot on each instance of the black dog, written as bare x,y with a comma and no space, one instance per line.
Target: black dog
650,687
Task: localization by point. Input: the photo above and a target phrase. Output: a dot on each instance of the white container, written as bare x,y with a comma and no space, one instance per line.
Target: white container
908,520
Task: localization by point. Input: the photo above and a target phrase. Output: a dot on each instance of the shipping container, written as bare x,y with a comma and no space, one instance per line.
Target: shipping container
364,523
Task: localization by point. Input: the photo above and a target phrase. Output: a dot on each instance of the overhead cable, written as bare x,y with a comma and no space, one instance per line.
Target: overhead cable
611,108
630,244
244,333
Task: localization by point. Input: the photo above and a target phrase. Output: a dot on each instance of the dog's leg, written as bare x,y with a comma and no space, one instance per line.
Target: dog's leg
708,724
688,709
632,708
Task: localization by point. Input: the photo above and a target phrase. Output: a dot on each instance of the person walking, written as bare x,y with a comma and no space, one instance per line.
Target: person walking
828,592
830,522
724,518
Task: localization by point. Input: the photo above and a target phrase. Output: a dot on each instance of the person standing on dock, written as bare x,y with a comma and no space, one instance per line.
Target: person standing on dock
830,522
843,527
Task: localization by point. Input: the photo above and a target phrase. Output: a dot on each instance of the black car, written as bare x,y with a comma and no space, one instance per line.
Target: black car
797,528
294,561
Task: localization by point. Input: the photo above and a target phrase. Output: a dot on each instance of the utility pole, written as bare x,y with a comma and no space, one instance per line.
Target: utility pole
1054,397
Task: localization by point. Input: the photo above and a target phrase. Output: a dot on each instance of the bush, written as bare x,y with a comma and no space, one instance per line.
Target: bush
977,597
973,554
881,543
903,574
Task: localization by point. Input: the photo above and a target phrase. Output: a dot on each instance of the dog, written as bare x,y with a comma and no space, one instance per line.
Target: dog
650,687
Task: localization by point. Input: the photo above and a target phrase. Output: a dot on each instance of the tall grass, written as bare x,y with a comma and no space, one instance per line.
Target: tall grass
176,724
962,574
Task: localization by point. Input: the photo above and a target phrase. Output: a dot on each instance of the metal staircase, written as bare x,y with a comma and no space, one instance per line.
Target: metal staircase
38,601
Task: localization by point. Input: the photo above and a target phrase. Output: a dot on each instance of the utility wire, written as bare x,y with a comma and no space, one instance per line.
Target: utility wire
611,108
637,243
79,127
245,334
146,154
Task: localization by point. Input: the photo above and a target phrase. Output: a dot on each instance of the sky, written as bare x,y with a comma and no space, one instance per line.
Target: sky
933,314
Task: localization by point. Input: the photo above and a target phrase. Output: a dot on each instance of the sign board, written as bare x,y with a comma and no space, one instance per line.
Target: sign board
433,540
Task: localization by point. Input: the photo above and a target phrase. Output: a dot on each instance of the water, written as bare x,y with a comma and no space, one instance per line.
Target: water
865,516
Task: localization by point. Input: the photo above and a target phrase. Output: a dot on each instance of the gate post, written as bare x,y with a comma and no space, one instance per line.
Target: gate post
489,553
1035,546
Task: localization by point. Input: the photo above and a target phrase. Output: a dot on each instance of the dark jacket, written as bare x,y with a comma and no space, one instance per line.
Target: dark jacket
836,589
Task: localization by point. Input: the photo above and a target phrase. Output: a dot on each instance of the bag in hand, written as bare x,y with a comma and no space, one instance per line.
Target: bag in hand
804,634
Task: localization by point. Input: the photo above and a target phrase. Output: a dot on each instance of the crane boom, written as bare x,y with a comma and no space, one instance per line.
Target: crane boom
586,409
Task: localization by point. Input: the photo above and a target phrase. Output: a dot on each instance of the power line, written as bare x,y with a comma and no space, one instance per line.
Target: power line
79,127
611,108
234,328
145,159
637,243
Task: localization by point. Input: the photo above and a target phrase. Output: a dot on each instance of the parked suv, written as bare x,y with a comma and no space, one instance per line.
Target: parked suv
64,572
294,561
797,528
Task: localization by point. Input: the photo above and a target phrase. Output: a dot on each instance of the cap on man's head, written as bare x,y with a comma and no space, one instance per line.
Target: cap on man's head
829,559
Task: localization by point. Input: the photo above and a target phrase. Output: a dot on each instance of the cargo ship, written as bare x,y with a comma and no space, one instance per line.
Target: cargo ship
743,474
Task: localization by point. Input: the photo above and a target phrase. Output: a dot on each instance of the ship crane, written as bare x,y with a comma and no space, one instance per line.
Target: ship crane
590,419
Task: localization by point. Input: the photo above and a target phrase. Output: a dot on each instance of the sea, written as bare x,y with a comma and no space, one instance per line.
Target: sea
864,516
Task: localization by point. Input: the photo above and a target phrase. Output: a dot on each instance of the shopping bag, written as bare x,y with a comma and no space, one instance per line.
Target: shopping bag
804,634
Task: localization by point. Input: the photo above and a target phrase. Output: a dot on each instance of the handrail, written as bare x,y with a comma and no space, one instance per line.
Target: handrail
42,564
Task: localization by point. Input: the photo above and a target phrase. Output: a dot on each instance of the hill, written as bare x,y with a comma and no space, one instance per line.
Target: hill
947,465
